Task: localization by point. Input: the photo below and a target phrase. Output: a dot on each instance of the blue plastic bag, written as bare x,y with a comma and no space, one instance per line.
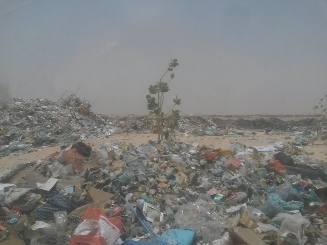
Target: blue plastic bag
170,237
178,236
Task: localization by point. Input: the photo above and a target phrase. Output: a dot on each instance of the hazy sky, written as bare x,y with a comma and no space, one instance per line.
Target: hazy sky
236,57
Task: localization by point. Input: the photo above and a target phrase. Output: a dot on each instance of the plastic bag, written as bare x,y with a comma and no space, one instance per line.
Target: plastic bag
264,228
294,224
133,169
57,202
176,158
254,212
49,233
200,217
149,150
170,237
95,232
275,205
61,219
60,171
92,213
225,240
178,236
95,214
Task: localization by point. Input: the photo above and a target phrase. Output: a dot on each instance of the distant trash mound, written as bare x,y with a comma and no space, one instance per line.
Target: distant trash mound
27,124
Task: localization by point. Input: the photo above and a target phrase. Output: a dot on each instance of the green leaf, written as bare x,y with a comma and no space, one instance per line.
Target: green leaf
152,104
153,89
177,101
163,87
175,117
173,63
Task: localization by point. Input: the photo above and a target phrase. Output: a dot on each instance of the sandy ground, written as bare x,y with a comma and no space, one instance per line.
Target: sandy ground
318,149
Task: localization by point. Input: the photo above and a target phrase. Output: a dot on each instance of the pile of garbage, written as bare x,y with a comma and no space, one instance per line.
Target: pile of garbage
213,125
168,193
26,125
274,123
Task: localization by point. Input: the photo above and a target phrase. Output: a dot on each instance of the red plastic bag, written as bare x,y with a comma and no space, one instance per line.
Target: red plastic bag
95,232
95,213
92,213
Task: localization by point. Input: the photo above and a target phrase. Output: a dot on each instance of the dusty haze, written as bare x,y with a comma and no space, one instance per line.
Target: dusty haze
236,57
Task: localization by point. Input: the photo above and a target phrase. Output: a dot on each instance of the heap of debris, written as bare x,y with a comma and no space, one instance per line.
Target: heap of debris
212,125
169,193
25,125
